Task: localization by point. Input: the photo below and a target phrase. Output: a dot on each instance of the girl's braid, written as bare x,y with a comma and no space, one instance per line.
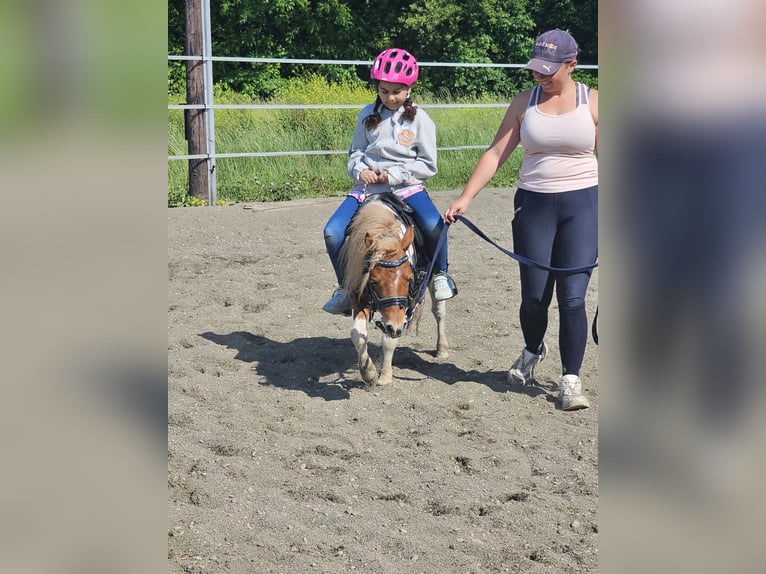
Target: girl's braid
409,110
372,121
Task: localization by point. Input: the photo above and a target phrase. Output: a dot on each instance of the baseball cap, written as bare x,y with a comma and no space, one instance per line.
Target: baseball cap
552,49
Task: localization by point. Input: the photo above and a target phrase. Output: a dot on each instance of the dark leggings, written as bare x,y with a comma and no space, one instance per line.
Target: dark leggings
558,230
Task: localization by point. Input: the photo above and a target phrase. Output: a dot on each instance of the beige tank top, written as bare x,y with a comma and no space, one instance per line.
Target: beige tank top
558,150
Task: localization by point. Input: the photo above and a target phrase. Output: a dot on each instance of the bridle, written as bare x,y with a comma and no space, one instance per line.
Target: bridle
377,303
417,288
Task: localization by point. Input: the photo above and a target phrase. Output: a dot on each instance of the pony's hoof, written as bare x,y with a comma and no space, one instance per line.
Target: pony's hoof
369,374
442,354
370,379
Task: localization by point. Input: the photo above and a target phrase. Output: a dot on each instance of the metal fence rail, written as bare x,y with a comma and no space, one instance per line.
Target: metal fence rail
211,106
352,62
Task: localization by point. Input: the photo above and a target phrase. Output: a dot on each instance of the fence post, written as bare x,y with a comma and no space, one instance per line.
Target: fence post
194,120
207,52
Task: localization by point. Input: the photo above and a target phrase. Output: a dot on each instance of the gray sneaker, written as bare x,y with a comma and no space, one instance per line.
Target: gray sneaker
523,370
444,287
570,393
339,303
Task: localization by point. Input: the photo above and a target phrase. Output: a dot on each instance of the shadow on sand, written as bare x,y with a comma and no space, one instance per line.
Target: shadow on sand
305,365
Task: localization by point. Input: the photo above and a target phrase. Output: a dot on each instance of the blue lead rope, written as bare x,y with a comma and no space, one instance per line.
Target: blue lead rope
427,278
517,257
480,233
521,258
525,261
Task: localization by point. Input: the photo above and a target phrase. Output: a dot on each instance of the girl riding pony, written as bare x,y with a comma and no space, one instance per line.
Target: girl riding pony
393,149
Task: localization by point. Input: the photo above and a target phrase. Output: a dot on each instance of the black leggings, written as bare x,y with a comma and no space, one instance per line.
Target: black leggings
557,230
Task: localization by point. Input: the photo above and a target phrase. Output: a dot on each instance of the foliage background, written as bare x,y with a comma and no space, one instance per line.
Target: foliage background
434,30
474,31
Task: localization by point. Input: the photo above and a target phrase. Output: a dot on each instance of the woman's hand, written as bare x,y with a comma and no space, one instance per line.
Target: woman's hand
458,207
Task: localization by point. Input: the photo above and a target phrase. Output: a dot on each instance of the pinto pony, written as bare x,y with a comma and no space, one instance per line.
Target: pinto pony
381,274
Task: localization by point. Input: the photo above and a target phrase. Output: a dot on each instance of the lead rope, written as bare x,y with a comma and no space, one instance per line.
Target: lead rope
594,327
530,262
424,285
521,258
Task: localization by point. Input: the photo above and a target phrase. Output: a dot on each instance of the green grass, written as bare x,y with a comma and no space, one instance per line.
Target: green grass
298,177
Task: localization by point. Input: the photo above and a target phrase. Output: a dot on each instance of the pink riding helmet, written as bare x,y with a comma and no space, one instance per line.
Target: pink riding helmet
395,65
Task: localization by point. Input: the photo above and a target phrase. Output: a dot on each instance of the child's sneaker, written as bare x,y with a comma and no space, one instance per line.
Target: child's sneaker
444,286
339,303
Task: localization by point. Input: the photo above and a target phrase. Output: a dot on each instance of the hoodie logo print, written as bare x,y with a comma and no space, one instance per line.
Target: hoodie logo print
406,138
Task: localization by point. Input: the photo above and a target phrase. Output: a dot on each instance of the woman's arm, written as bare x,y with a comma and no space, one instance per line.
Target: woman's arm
593,103
506,140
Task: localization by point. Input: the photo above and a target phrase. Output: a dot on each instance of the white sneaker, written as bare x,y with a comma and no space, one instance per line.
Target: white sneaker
523,370
444,287
570,393
339,303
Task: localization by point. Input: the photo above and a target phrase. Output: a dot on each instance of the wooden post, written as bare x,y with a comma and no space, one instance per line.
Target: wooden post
194,120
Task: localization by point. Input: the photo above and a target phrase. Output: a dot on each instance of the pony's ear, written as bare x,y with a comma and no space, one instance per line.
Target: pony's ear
368,240
409,236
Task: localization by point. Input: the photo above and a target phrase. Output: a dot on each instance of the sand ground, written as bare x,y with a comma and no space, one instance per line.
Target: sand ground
281,461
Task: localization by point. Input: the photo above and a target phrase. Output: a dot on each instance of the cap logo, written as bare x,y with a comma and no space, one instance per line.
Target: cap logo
547,68
547,50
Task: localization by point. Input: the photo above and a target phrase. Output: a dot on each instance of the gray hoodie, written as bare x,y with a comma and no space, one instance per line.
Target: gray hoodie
407,150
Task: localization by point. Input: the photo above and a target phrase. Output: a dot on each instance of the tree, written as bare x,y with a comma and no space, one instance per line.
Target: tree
433,30
472,31
578,17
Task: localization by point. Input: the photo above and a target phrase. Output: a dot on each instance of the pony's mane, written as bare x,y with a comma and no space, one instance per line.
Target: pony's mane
385,231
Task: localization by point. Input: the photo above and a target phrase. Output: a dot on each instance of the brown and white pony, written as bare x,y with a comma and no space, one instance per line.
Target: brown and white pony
379,273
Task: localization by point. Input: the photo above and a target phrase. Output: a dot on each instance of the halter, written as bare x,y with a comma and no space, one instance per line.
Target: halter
417,285
416,291
377,303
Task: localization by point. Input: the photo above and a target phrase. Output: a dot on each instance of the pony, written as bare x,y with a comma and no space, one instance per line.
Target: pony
381,274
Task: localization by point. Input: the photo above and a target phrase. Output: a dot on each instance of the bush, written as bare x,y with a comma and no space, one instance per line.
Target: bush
280,178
